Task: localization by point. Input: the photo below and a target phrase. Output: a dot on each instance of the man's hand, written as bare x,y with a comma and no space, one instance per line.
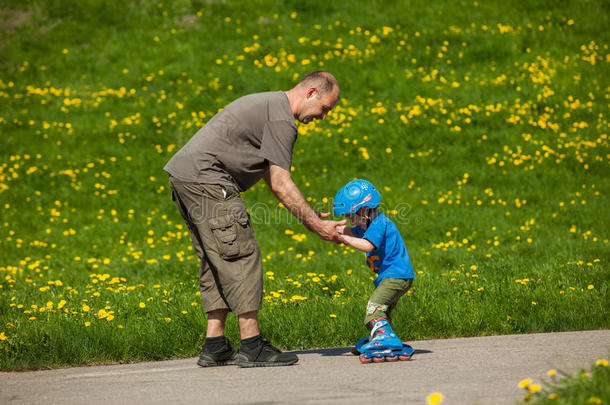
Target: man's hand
327,230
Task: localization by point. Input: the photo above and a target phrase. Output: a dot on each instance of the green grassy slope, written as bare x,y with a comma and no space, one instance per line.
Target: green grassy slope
483,124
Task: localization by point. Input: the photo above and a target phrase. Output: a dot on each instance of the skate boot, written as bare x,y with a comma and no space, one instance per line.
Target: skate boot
383,344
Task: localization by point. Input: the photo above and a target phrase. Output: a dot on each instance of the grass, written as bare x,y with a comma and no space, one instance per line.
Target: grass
583,387
483,124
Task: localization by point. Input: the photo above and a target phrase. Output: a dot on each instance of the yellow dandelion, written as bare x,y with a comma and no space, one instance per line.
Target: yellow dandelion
552,373
87,324
524,383
142,305
602,362
534,388
332,315
435,398
2,336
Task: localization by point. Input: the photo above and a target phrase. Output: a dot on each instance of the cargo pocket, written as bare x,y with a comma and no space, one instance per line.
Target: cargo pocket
233,235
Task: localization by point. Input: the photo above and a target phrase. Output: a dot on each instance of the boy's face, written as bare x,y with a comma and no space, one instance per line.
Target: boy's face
357,220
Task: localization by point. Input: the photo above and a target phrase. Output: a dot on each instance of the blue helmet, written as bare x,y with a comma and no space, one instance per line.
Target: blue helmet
355,194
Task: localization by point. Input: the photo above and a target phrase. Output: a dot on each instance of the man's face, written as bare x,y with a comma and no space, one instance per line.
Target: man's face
317,107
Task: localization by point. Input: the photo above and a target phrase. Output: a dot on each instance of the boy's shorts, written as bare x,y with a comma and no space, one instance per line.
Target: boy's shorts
385,297
231,269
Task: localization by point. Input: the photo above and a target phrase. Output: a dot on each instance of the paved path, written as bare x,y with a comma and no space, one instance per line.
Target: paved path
482,370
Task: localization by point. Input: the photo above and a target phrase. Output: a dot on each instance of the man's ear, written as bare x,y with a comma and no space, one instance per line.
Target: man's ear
311,92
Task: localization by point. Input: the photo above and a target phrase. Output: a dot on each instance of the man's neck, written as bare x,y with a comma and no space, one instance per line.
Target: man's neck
294,100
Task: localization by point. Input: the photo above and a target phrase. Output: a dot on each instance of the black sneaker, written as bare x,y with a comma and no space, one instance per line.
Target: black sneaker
263,354
217,354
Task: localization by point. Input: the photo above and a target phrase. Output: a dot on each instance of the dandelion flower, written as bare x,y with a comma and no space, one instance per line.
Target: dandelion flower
435,398
534,388
525,383
602,362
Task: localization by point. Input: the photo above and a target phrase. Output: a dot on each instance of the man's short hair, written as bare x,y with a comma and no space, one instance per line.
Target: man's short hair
323,81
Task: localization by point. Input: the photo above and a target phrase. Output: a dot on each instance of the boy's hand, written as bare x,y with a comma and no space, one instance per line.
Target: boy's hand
344,230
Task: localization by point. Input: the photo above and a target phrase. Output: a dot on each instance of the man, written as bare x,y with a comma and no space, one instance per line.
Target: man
250,139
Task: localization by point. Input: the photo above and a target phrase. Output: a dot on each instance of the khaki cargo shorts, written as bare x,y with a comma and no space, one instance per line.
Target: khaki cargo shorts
385,297
231,269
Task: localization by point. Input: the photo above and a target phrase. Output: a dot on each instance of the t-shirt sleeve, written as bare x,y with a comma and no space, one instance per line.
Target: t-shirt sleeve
375,233
277,143
358,232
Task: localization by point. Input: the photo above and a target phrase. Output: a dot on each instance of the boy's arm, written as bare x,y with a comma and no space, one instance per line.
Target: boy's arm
358,243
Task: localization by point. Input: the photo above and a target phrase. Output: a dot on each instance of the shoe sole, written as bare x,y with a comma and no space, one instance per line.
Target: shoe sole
248,364
212,363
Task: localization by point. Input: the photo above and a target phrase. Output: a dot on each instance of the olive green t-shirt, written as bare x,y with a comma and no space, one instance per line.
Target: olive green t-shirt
237,144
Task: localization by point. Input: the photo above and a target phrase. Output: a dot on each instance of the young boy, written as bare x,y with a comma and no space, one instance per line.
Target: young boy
386,255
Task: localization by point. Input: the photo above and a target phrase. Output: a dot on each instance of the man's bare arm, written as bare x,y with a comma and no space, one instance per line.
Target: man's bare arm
288,193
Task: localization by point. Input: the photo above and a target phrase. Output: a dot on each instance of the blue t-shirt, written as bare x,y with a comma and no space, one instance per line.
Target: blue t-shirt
389,259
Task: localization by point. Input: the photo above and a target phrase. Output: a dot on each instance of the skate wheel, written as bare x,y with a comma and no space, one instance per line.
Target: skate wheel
355,352
365,360
378,359
391,358
404,358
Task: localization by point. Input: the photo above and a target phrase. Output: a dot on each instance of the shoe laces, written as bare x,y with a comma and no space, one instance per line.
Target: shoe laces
267,345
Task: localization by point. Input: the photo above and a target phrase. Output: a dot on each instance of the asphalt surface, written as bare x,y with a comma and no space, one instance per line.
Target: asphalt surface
483,370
